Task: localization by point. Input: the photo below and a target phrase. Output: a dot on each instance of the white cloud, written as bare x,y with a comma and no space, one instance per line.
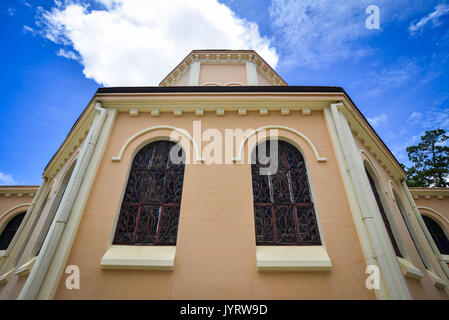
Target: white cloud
414,117
26,3
11,11
6,179
436,119
433,17
378,120
313,33
67,54
402,72
27,29
137,42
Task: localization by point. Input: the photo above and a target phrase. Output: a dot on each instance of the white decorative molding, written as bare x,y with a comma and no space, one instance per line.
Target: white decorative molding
154,112
5,277
391,187
263,112
251,74
285,111
292,258
220,112
9,191
139,258
199,112
177,112
233,83
434,211
437,281
13,209
306,112
25,269
408,269
194,77
144,131
241,112
309,142
134,112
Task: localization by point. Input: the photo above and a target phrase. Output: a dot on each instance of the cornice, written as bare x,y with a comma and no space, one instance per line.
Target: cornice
428,193
18,191
189,102
371,141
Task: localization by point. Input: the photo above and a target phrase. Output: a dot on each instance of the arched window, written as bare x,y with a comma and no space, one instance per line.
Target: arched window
150,209
283,207
437,234
53,209
10,230
412,232
384,215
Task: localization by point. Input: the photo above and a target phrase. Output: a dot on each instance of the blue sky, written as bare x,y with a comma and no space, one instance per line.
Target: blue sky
56,53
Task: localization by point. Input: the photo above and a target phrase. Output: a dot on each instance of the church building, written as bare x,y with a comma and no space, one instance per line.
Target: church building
223,182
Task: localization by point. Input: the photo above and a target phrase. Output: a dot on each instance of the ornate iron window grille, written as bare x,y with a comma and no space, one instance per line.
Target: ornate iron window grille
150,209
283,209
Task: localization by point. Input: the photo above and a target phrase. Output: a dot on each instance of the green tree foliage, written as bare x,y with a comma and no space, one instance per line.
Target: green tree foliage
430,160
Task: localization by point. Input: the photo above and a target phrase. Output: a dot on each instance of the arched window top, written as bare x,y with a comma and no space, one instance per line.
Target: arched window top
284,211
10,230
150,208
437,234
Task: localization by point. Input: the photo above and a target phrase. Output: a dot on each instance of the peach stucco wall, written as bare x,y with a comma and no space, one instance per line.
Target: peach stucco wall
216,250
419,289
222,74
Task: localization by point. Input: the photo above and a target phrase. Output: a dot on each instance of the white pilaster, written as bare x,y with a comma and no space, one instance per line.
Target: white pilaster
374,237
251,74
194,78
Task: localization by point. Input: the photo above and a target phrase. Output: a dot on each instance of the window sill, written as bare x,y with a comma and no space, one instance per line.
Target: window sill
3,256
5,277
445,257
408,269
25,269
139,258
292,258
437,281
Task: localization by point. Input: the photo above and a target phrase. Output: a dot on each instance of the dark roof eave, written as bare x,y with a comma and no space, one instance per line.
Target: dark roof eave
220,89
